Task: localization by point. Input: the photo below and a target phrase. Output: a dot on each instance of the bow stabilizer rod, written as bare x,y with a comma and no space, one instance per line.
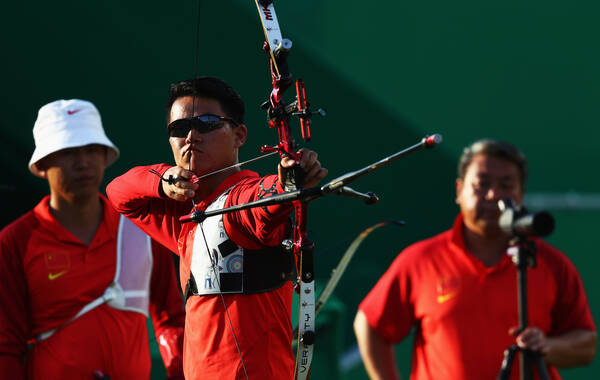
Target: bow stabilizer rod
346,179
337,186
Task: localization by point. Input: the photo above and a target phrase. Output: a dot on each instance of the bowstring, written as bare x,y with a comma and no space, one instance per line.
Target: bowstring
213,263
217,280
236,165
196,58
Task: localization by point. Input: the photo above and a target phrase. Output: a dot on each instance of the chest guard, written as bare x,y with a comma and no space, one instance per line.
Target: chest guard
130,289
134,269
227,268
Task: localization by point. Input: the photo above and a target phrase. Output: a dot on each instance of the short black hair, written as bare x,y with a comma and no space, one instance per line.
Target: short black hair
493,148
212,88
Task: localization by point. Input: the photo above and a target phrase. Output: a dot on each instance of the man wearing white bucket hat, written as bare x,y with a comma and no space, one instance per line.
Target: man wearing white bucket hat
78,280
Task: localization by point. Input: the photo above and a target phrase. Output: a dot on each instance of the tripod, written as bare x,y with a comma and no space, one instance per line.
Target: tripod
523,253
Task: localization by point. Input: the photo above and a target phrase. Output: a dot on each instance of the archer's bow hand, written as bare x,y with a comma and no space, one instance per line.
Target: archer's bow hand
313,172
176,183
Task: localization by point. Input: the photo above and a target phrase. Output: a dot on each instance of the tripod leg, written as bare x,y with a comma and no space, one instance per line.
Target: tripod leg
541,366
507,362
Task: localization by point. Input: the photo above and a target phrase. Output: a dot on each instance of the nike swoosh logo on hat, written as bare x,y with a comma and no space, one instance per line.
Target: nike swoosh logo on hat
72,112
54,276
445,297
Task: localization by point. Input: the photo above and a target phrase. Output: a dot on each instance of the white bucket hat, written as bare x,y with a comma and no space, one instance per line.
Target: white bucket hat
66,124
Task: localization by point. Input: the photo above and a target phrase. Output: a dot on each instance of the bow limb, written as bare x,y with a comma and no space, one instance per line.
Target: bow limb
340,268
306,295
342,265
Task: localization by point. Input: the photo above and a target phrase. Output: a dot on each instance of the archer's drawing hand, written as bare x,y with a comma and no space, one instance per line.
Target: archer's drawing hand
177,185
309,164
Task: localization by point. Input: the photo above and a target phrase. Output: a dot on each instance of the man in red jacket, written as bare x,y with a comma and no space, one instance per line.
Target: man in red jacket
238,293
458,290
77,279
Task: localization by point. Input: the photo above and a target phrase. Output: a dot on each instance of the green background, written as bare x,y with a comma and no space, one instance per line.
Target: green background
388,74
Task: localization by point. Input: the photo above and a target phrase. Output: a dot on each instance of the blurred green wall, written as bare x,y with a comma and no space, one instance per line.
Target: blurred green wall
387,72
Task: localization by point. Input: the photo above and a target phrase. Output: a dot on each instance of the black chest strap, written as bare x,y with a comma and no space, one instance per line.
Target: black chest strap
264,270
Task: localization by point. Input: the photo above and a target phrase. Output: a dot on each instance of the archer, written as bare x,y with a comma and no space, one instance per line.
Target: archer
236,275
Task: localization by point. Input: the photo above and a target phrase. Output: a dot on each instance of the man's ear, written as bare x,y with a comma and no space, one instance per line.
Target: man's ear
240,132
459,186
41,170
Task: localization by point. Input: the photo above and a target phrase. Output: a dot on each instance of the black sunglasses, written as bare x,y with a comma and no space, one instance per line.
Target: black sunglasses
202,124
